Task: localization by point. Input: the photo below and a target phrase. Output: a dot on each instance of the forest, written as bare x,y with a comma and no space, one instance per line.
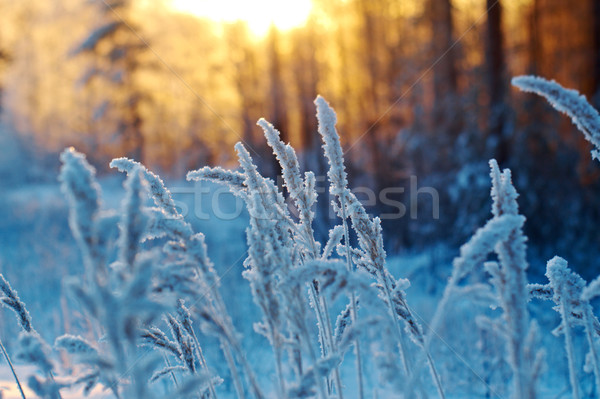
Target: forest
290,154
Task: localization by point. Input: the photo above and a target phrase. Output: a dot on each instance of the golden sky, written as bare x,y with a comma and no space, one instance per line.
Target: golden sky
258,14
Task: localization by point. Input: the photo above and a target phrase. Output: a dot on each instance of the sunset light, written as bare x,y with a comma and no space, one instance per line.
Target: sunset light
258,14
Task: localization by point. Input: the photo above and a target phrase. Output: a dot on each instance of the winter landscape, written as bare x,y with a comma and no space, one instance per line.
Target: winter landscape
303,199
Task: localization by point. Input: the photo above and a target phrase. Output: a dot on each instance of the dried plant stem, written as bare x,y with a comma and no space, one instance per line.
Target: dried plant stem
232,342
435,375
403,350
12,369
251,376
353,312
324,325
237,382
336,370
570,350
359,367
435,321
229,342
313,358
282,389
173,377
115,391
203,363
322,313
51,375
589,332
402,345
438,315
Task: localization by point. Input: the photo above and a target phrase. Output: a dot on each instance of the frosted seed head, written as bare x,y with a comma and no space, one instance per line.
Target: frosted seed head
592,290
160,195
10,299
568,101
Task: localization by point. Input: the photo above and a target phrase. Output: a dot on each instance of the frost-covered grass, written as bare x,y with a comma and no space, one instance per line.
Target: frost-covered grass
330,319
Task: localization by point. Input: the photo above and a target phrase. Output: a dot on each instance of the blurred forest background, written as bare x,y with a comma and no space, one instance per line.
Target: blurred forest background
420,87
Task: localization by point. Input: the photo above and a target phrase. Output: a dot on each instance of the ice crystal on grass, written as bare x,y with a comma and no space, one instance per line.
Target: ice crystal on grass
33,350
79,184
510,282
568,101
76,345
159,193
11,299
571,295
567,287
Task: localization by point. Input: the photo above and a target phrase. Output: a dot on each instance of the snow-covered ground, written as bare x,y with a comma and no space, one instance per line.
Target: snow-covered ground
37,251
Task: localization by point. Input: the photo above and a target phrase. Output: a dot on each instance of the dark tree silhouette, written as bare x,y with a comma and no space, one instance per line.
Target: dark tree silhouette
116,51
496,80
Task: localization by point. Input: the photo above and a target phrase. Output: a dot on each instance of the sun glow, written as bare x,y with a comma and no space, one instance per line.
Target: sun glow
258,14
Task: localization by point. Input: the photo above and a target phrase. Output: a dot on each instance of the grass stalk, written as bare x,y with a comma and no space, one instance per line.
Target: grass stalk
203,363
569,346
353,311
589,332
12,369
237,382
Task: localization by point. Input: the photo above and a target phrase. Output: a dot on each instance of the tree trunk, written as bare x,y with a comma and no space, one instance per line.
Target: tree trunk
306,74
596,52
278,110
534,48
446,112
496,81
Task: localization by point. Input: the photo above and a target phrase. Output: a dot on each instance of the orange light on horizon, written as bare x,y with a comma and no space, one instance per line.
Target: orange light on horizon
258,14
